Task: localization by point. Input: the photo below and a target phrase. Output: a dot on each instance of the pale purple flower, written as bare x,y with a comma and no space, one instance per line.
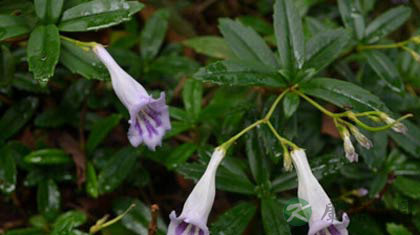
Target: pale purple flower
149,117
323,220
349,150
197,207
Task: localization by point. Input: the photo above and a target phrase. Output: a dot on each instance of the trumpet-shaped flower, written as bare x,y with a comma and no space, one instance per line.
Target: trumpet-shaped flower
351,154
361,139
323,220
197,207
397,127
149,118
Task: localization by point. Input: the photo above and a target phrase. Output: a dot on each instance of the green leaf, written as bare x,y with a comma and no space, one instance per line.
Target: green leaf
7,66
26,231
66,222
397,229
362,224
16,117
246,44
235,220
272,217
153,34
289,35
352,16
8,170
74,95
239,74
48,10
385,69
212,46
48,199
12,26
386,23
82,62
180,155
100,130
408,187
48,157
324,47
257,23
139,218
116,169
192,94
378,183
98,14
343,94
290,104
92,187
256,158
43,51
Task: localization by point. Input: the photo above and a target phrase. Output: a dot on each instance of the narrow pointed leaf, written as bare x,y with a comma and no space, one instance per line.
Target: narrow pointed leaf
235,220
289,34
272,217
153,34
246,44
387,23
211,46
48,10
12,26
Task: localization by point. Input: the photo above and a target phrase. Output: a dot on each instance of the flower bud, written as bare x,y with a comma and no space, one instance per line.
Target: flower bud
351,154
361,139
397,127
287,161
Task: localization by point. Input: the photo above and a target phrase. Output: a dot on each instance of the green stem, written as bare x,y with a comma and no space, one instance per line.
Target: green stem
314,103
97,227
274,105
84,45
282,140
379,128
387,46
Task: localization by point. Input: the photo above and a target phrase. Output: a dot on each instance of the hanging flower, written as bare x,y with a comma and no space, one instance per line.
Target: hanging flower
397,127
149,118
197,207
323,220
361,139
351,154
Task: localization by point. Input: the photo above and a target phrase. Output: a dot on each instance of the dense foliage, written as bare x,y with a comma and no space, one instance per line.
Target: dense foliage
307,73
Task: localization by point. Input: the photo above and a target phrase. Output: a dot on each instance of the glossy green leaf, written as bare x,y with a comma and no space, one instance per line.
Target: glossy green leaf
192,94
257,23
43,52
363,223
138,219
8,170
385,69
343,94
180,155
82,62
74,95
7,66
98,14
48,199
212,46
352,16
239,74
9,7
290,104
92,187
397,229
235,220
116,169
272,217
289,35
246,44
387,23
324,47
153,34
48,157
100,130
407,186
66,222
48,10
16,117
378,183
26,231
12,26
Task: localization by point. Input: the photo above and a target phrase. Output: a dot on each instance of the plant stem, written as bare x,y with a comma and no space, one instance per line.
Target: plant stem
274,105
282,140
314,103
373,47
84,45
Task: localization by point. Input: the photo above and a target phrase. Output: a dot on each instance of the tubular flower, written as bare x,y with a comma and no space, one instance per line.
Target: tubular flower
323,220
197,207
361,139
149,118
